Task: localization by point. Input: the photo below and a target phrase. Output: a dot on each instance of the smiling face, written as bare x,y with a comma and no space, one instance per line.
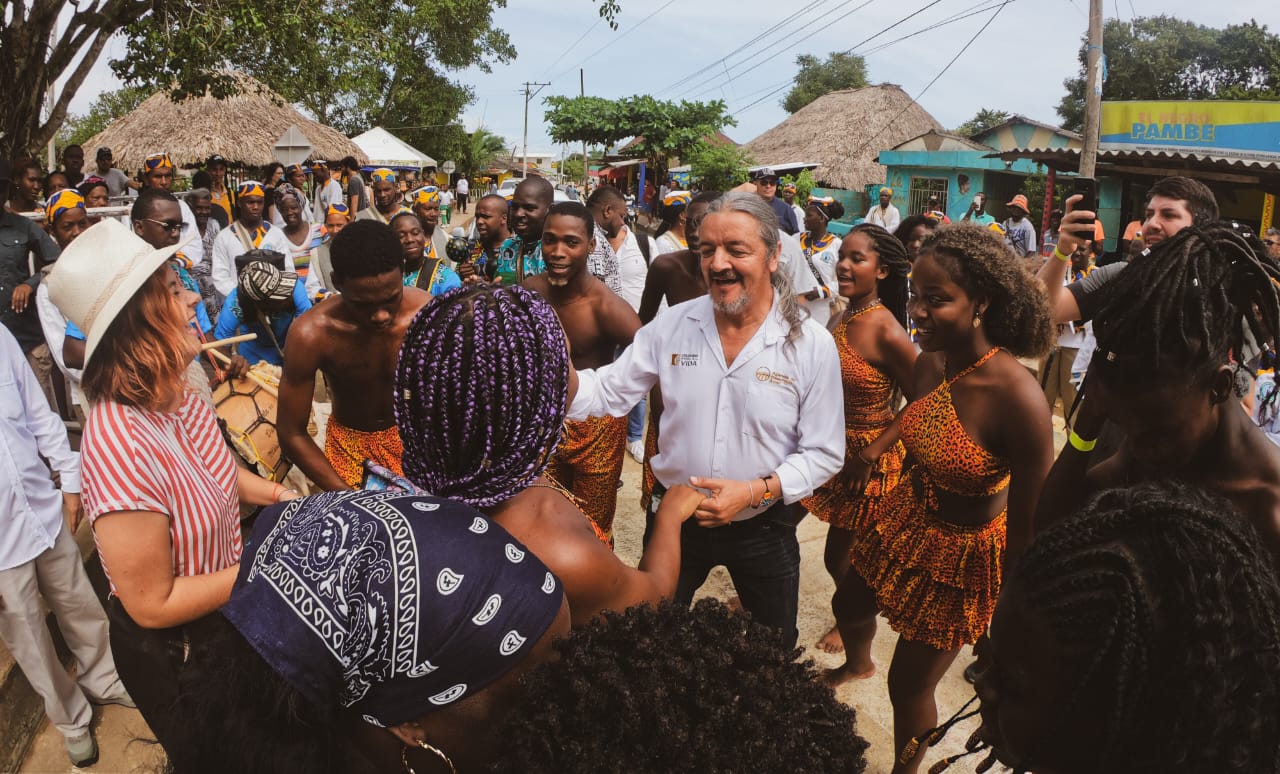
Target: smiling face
566,244
858,271
736,263
528,211
412,240
429,212
201,209
73,159
942,311
290,211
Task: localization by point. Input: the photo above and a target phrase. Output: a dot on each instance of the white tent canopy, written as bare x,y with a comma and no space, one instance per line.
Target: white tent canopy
384,149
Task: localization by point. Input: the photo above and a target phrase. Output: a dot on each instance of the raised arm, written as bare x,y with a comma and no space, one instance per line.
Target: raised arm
297,386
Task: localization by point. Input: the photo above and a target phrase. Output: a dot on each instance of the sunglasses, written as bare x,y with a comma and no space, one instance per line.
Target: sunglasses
168,225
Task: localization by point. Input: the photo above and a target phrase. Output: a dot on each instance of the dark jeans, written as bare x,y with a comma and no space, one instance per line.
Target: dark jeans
148,662
762,556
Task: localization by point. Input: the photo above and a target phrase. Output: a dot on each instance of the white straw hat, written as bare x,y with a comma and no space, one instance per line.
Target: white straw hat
97,274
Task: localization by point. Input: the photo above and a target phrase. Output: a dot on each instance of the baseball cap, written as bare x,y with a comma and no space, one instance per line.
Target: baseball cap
216,159
104,152
764,173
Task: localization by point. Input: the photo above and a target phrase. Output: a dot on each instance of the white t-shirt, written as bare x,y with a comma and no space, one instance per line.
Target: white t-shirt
669,243
632,268
227,246
889,218
463,187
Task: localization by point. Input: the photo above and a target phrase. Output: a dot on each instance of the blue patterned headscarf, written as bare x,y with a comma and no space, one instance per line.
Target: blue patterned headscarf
392,605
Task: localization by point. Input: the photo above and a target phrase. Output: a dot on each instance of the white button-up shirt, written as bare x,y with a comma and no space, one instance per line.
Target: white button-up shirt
30,505
227,246
778,408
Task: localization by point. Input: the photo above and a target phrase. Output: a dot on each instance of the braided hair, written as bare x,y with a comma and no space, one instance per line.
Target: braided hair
1017,314
1165,606
893,257
667,690
480,394
1187,304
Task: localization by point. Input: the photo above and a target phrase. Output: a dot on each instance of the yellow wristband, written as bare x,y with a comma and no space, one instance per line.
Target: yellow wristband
1058,254
1080,444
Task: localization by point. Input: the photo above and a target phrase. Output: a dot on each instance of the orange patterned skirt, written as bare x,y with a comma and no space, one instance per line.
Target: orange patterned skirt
347,449
648,481
836,504
589,464
936,582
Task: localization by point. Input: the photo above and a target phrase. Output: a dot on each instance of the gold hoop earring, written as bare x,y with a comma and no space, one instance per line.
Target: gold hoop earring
424,744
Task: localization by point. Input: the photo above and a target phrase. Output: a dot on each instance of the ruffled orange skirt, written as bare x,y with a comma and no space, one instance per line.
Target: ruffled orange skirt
936,582
836,504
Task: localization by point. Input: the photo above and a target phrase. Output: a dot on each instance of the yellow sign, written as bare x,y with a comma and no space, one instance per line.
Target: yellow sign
1268,211
1248,130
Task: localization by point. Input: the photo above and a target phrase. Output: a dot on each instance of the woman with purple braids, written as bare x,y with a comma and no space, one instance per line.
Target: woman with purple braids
481,392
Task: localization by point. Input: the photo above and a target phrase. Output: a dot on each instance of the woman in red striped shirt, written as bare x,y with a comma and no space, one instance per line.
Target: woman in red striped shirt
161,487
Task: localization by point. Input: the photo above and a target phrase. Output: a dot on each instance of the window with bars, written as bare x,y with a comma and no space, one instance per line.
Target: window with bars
922,188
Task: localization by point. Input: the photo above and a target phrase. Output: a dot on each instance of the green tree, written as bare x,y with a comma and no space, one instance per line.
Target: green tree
1165,58
983,120
818,77
109,106
804,184
573,167
718,167
352,63
479,151
665,129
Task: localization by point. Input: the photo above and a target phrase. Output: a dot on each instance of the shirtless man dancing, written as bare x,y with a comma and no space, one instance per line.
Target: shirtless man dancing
598,322
354,340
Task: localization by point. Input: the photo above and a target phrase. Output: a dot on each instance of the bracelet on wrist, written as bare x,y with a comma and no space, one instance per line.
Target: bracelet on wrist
1080,444
768,496
862,455
751,495
1060,256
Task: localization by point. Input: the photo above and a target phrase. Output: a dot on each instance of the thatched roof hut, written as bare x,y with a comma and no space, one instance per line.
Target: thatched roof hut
243,127
844,131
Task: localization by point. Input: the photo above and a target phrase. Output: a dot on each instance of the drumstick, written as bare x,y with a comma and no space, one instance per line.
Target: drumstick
251,376
230,340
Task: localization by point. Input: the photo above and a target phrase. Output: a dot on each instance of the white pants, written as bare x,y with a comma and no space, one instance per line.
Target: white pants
58,575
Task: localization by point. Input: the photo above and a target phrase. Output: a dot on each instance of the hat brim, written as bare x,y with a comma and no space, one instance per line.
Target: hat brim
140,270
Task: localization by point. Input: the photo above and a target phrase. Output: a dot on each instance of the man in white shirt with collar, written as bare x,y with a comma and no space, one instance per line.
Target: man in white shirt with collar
754,410
39,558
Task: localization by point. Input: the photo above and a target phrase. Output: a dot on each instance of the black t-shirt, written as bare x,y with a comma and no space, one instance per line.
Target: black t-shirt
1087,292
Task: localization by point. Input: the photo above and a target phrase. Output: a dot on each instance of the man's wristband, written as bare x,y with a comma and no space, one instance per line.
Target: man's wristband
768,497
1080,444
1058,254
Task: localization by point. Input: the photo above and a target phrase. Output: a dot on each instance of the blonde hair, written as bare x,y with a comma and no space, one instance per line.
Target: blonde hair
142,358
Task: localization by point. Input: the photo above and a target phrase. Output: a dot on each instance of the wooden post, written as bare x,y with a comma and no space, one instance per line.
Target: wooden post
1092,92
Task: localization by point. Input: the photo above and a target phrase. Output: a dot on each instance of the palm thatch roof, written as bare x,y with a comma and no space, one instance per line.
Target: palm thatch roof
243,128
845,131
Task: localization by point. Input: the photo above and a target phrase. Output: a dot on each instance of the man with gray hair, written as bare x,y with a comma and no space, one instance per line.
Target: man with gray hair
753,410
1272,241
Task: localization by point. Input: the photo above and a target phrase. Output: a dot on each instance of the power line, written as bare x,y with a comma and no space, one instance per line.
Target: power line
572,46
724,59
973,10
627,32
781,48
929,85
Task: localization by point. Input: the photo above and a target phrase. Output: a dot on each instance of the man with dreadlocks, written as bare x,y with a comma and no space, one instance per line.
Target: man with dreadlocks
597,323
354,340
481,390
754,410
1170,343
1139,636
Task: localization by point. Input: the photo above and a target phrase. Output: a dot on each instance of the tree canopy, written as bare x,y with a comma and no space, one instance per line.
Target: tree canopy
666,128
480,149
352,63
109,106
1165,58
818,77
718,167
983,120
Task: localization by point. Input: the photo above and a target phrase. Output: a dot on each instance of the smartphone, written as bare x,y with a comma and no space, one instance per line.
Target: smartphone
1086,187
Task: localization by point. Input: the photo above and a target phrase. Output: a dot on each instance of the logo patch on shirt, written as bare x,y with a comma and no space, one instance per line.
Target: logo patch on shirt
773,377
684,361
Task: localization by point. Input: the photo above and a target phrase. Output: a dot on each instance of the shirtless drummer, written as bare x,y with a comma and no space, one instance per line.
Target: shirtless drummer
353,339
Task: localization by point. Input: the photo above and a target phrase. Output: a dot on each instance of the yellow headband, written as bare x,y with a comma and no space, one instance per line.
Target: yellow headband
157,161
427,194
383,175
677,199
250,188
66,199
339,209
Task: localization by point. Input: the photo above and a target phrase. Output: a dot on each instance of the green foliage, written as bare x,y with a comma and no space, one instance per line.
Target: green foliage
667,129
804,184
1165,58
109,106
479,150
817,77
719,167
573,167
983,120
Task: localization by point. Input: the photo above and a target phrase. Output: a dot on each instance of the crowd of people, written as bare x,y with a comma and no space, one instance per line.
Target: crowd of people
447,597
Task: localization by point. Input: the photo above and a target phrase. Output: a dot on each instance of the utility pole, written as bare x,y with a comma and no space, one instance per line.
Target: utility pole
582,91
1092,92
528,95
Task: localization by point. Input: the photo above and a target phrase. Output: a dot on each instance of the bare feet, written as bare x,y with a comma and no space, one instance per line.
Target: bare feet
841,675
831,642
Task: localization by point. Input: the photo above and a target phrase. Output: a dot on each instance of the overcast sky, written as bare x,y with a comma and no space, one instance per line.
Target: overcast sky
1017,64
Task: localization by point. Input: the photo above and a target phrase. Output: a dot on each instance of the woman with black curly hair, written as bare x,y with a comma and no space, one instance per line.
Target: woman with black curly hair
980,437
658,690
1176,328
1142,635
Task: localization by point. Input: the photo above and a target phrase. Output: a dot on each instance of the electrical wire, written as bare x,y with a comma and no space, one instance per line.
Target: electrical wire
622,35
571,46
